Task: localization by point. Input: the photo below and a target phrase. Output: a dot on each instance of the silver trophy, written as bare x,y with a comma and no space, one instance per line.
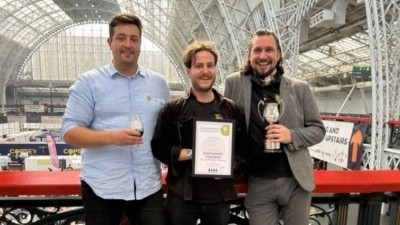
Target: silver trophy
271,115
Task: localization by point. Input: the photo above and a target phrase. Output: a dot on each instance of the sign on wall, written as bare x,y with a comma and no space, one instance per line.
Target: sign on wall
342,144
361,72
35,108
37,149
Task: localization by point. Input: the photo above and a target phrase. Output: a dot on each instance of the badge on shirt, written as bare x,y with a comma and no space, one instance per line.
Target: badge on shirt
218,116
277,98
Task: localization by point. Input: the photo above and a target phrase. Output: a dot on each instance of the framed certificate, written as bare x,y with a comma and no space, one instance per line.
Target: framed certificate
213,147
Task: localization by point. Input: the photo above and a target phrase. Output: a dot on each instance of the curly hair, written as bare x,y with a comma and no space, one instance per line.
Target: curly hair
194,47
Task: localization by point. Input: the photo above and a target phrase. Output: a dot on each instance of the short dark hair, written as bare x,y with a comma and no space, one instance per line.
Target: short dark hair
124,18
196,46
246,67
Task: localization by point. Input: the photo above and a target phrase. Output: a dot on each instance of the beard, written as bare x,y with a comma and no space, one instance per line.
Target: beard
263,73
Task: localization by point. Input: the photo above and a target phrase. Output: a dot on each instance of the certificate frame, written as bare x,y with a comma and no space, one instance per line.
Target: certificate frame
213,147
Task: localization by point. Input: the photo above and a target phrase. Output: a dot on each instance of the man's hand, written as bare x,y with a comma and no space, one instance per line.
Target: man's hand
125,137
278,133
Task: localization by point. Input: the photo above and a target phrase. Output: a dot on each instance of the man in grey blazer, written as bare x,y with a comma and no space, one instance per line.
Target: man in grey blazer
280,181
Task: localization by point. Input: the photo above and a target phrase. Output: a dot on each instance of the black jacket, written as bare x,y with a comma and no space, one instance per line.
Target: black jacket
174,131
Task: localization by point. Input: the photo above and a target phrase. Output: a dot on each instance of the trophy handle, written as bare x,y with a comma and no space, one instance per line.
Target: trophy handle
258,109
281,102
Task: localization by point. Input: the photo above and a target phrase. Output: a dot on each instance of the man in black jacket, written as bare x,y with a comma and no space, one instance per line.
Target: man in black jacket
192,198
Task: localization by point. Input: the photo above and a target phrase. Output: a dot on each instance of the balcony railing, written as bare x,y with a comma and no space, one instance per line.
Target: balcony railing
39,197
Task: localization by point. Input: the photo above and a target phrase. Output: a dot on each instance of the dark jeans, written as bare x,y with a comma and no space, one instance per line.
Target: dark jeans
180,212
99,211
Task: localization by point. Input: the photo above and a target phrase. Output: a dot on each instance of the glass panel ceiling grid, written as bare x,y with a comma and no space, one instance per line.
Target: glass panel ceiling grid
81,48
342,55
24,22
155,15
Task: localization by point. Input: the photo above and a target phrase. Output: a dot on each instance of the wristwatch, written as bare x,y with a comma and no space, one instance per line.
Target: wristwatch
189,153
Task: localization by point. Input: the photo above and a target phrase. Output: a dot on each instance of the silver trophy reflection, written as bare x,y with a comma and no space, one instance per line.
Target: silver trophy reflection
271,115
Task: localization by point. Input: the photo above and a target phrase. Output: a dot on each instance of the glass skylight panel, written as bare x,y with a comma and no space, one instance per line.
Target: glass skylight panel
27,14
304,59
11,5
25,36
10,27
314,64
30,21
43,24
349,43
59,16
4,26
47,5
314,54
331,61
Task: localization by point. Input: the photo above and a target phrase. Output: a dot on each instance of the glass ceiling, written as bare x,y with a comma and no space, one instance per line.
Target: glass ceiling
326,57
335,58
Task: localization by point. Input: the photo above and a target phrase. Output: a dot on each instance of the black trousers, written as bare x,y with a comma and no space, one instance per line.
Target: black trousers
180,212
99,211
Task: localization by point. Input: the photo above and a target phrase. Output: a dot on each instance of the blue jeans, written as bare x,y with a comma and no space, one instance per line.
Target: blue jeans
180,212
99,211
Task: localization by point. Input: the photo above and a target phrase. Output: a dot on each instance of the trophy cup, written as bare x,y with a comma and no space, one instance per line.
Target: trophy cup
271,115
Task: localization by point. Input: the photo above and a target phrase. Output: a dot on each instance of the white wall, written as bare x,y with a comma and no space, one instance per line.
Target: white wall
331,102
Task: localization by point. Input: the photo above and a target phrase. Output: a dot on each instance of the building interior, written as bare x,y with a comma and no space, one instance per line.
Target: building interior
347,50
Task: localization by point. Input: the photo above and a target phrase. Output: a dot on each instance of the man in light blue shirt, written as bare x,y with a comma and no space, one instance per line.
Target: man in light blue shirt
119,173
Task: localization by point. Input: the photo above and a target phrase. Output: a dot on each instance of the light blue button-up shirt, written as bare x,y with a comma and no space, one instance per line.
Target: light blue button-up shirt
103,99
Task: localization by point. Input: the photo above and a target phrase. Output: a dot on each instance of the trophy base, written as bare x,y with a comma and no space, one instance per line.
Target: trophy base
272,147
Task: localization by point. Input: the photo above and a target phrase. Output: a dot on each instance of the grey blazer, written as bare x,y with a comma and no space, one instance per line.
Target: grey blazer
300,116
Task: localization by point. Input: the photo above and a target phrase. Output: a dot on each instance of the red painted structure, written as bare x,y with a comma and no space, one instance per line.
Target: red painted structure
369,184
327,181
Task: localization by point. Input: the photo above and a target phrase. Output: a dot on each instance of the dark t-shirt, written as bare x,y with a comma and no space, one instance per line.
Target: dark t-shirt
206,190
